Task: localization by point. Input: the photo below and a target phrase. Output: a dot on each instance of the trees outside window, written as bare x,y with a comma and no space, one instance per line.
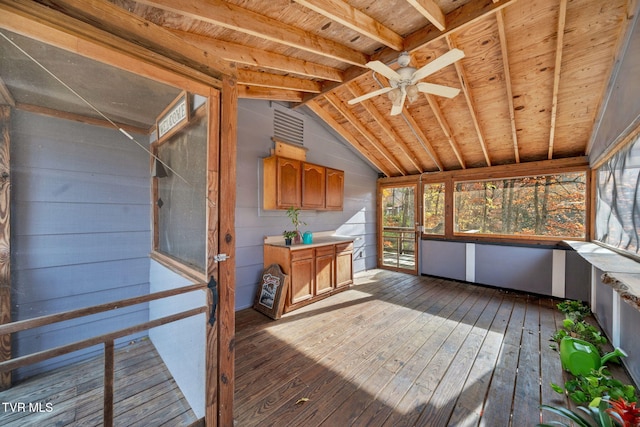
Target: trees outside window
547,205
433,208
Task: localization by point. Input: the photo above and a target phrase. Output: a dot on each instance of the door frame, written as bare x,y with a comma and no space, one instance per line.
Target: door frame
42,24
409,182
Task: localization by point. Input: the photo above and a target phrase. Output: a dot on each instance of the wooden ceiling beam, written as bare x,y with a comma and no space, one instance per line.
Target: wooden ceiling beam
471,104
507,80
422,138
328,119
350,17
562,17
446,129
247,55
233,17
116,20
362,129
268,94
430,10
386,127
275,81
459,18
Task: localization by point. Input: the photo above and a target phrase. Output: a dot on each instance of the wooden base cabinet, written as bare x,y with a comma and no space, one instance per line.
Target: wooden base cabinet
325,265
301,280
344,264
315,273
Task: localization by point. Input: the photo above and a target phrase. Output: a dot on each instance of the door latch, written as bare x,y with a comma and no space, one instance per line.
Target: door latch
221,257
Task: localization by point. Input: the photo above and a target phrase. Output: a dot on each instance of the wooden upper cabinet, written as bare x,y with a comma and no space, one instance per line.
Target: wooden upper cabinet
334,189
290,182
282,179
313,186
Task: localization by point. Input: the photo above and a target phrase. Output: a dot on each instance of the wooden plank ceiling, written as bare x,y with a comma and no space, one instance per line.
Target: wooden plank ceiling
532,79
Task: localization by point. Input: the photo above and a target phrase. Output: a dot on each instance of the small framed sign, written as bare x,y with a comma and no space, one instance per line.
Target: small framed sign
174,117
271,292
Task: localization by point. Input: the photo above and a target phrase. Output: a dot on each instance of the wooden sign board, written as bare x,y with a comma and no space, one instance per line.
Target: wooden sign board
174,117
271,292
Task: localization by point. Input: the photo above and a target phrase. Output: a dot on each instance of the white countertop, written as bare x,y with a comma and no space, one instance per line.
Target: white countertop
321,238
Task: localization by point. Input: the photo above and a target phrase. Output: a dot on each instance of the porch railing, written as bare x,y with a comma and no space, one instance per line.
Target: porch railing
107,340
397,241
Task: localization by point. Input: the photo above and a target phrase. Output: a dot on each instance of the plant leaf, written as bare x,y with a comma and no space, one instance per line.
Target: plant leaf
564,412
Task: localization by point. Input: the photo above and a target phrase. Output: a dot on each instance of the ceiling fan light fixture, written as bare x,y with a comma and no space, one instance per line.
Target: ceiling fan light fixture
394,95
404,83
412,93
404,59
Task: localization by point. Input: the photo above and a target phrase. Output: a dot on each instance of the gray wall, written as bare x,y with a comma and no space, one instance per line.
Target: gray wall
629,321
619,320
443,259
181,344
80,229
255,129
541,270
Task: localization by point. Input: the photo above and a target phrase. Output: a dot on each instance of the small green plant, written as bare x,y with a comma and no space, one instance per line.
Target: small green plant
293,214
582,330
598,384
574,310
289,234
598,416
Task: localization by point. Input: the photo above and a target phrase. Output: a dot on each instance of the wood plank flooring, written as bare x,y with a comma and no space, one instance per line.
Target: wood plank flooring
145,394
400,350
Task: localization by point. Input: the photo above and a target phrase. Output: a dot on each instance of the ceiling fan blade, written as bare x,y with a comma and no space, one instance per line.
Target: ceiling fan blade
448,58
397,106
446,91
369,95
381,68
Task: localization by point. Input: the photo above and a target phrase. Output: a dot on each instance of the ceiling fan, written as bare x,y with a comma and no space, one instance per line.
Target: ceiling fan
405,80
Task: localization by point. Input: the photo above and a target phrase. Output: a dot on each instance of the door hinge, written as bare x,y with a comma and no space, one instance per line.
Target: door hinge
221,257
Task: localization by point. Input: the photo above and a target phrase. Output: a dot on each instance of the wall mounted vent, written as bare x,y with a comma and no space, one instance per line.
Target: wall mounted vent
288,127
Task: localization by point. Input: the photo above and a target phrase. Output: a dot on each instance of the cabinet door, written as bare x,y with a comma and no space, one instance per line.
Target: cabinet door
344,264
302,276
335,189
313,186
325,257
288,182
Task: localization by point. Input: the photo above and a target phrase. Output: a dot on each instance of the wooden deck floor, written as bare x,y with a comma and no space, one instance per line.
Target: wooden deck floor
400,350
145,394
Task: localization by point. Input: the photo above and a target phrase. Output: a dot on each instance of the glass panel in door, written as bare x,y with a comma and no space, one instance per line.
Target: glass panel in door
399,237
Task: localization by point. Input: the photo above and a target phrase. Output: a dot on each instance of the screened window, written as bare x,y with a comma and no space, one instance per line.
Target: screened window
617,210
544,206
181,195
433,208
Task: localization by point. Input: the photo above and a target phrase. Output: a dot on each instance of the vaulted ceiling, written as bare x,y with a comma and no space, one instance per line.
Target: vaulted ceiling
531,82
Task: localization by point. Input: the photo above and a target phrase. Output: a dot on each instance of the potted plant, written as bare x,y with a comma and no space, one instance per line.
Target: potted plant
293,214
288,235
602,413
